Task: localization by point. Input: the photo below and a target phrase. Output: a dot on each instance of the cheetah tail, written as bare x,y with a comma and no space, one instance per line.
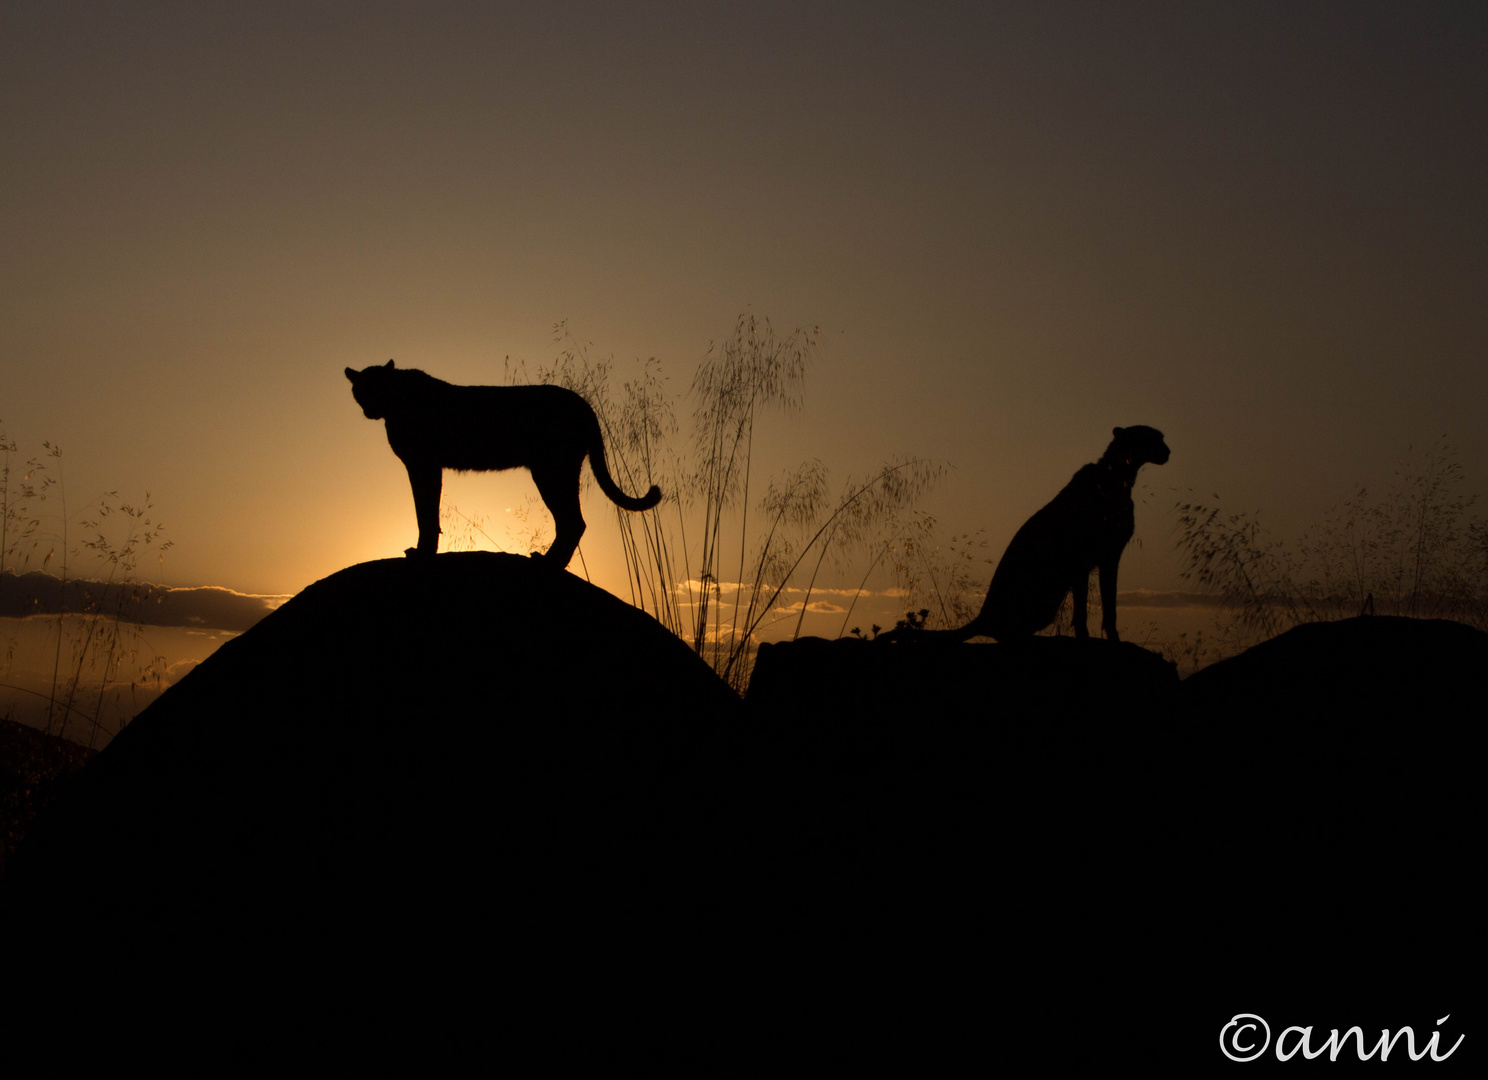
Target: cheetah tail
608,485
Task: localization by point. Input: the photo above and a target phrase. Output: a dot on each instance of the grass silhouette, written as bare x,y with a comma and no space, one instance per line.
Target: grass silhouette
98,630
716,560
1414,551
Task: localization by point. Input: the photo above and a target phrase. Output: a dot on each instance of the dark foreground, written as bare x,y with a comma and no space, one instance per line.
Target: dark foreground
472,787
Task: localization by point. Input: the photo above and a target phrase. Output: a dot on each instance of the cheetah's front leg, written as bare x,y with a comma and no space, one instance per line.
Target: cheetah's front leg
1108,599
1077,595
427,482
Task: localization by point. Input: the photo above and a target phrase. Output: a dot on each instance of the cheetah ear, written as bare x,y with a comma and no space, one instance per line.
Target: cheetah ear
1116,432
388,364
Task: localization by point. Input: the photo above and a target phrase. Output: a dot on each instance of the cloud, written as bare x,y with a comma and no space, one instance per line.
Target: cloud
205,607
179,670
728,588
816,607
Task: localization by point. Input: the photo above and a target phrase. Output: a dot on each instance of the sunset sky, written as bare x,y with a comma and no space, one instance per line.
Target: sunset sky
1259,227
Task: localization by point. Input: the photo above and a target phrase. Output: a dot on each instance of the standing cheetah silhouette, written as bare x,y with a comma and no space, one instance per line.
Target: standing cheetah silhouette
433,425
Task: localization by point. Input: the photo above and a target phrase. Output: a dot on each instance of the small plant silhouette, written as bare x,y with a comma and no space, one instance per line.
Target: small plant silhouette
913,621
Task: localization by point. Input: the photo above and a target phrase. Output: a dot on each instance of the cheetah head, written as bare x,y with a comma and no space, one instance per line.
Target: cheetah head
1140,445
372,388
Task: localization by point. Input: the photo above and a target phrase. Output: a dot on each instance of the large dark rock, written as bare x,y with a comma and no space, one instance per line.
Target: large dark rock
34,769
1361,667
407,747
986,808
1036,679
909,747
1348,742
1333,813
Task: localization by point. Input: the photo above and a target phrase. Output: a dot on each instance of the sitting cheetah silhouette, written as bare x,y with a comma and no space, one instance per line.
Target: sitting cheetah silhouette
1086,527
